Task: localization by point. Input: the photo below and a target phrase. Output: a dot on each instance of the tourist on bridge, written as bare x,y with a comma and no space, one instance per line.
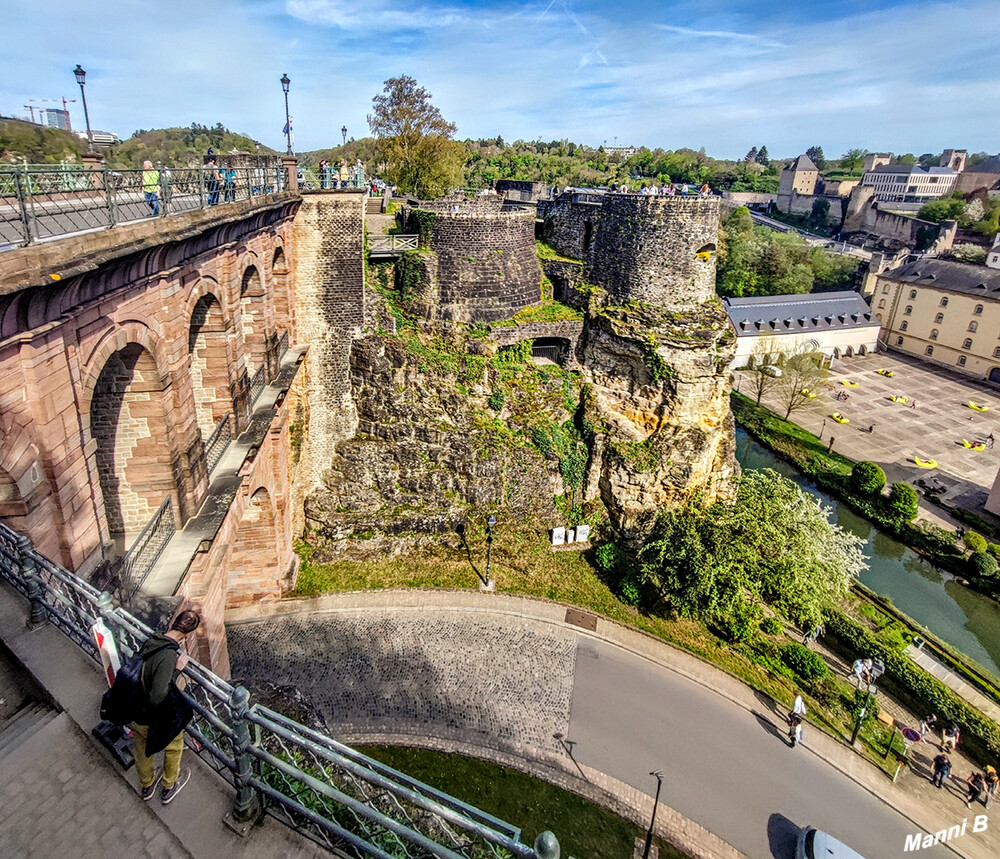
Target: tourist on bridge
166,714
212,180
151,187
344,173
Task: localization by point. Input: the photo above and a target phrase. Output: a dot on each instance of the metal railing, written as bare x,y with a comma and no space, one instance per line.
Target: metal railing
392,244
146,550
325,790
283,345
38,202
257,385
218,441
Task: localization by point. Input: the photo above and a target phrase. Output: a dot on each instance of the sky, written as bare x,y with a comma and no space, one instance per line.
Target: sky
726,75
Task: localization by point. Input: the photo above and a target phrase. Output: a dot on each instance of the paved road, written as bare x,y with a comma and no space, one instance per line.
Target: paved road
731,772
819,241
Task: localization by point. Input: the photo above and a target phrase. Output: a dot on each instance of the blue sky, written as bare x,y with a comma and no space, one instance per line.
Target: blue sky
896,76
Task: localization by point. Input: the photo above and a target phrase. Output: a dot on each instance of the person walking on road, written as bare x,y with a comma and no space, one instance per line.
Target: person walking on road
942,767
977,784
151,187
950,738
794,729
166,713
992,783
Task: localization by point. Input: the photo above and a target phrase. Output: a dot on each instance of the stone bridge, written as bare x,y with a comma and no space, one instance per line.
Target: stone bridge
128,357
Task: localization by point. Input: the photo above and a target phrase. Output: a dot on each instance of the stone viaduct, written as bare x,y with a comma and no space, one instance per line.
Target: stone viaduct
129,357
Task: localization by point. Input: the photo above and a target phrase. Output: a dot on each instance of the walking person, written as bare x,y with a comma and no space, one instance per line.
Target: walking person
928,724
794,730
950,738
942,768
977,784
798,708
151,187
992,783
229,184
166,714
212,181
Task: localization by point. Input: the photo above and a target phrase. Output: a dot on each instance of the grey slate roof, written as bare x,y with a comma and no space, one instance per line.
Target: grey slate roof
990,165
909,169
803,162
785,314
949,276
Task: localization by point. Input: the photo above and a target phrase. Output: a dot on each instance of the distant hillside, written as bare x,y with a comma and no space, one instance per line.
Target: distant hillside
36,144
178,147
355,149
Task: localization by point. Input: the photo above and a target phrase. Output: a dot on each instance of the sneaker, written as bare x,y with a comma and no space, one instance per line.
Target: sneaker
147,792
168,793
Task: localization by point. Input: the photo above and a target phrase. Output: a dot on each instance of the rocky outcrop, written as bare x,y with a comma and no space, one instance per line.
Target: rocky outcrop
657,411
421,456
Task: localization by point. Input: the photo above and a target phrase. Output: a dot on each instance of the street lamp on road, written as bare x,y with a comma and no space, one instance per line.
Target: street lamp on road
343,133
81,78
652,820
491,520
285,81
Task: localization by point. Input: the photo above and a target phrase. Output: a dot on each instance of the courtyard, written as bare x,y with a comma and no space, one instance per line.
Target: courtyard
933,429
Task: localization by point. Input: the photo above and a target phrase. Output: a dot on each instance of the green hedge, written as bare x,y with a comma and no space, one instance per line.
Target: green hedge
917,689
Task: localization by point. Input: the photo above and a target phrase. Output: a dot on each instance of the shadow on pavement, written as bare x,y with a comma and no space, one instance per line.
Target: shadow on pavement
769,726
782,835
766,700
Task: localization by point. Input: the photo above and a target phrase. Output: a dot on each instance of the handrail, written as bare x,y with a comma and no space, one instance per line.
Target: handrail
218,441
147,548
325,790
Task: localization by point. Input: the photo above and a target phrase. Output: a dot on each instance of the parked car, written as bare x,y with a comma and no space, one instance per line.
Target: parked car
815,844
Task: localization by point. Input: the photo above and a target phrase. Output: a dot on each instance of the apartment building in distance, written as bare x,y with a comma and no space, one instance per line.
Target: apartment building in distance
908,183
944,312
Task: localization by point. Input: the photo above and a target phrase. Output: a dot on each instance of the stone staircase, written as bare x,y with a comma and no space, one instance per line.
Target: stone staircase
23,725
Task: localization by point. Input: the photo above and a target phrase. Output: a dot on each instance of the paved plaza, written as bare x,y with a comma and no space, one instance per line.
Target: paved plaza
933,429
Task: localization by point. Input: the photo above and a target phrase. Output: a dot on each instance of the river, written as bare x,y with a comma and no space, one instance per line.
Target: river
968,621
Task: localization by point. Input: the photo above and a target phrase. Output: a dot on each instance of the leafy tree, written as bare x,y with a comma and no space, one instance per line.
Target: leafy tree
801,374
976,542
903,502
983,565
867,478
969,253
762,156
819,213
37,144
816,154
928,159
948,208
908,158
761,367
413,140
852,160
751,155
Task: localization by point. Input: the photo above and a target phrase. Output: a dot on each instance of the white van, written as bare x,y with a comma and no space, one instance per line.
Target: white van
815,844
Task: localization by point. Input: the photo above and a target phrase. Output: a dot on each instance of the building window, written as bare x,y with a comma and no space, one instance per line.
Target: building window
909,310
904,325
929,350
939,319
973,326
967,344
881,304
961,360
885,287
996,352
899,341
913,294
934,334
944,301
979,310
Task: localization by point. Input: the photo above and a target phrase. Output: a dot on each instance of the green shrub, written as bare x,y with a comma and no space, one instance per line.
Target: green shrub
975,542
808,665
867,478
771,626
983,565
495,400
629,590
740,626
994,549
903,502
608,557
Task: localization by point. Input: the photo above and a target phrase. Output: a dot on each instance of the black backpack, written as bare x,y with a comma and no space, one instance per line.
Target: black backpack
126,701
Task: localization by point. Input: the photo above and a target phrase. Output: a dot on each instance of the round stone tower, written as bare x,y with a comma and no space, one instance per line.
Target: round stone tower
656,250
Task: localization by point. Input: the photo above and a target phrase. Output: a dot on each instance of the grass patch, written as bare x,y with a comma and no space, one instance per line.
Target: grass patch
583,828
546,311
545,251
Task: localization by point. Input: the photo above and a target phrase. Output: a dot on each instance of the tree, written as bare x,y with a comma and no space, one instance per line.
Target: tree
802,373
908,158
751,155
852,160
983,565
816,154
413,140
903,502
820,212
762,156
761,367
975,541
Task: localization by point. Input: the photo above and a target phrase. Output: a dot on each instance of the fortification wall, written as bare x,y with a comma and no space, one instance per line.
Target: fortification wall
865,216
656,249
482,266
569,226
565,277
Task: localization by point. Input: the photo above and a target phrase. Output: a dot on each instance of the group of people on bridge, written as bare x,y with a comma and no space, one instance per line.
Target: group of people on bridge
341,176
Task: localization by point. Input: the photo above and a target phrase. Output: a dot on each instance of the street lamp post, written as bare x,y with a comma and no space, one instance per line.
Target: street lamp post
285,81
343,133
81,78
652,820
490,522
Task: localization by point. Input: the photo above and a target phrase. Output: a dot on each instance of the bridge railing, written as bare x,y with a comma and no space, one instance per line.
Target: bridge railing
39,202
218,441
327,791
393,244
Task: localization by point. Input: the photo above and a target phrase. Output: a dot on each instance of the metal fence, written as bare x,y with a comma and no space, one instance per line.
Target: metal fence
283,345
392,244
327,791
257,385
146,550
218,441
39,202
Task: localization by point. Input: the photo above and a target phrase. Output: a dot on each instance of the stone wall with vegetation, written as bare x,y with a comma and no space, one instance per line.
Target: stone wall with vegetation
567,226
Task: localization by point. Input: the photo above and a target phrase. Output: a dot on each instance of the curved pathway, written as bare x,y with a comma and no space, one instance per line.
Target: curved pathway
507,674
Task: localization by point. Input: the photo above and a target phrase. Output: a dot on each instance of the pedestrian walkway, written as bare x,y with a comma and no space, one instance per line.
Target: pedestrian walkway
61,795
950,679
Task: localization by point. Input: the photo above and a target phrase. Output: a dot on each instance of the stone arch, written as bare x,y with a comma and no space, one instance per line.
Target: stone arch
116,339
128,410
555,349
253,318
282,291
253,566
209,363
11,502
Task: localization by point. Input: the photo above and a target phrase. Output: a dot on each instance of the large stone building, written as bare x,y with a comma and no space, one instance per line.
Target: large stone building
984,176
908,183
944,312
838,324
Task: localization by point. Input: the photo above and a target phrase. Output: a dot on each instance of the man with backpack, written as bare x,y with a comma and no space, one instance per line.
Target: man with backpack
165,713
